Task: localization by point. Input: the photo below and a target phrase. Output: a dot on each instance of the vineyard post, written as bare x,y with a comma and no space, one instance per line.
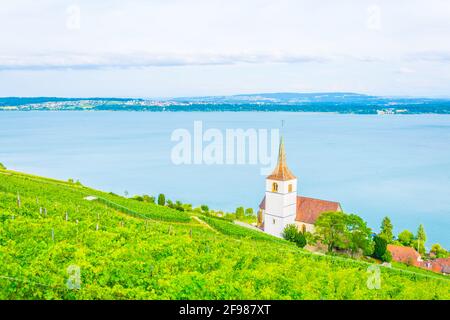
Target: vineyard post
190,233
53,235
18,200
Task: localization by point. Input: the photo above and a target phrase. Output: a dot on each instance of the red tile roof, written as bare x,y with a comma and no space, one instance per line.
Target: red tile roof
404,254
309,209
438,265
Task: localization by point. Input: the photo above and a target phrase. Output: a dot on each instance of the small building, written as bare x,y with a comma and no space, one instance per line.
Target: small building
441,265
406,255
282,205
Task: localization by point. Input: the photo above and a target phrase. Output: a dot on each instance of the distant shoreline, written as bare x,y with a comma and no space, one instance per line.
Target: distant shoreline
339,103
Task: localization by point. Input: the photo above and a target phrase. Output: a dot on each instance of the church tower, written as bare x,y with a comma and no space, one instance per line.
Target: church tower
281,196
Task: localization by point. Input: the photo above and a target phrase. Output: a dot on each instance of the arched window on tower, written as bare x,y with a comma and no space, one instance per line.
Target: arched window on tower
274,187
290,188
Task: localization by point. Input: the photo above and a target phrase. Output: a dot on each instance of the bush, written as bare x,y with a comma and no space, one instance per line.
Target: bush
2,167
300,239
179,206
138,198
387,256
292,234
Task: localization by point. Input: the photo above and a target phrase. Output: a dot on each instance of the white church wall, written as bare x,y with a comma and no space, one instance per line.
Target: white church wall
283,186
275,225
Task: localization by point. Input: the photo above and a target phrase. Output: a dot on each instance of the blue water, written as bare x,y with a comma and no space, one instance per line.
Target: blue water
374,165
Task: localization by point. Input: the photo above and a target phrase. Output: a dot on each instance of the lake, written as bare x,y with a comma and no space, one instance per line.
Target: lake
394,165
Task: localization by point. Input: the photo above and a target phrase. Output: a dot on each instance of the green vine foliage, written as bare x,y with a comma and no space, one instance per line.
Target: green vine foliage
127,249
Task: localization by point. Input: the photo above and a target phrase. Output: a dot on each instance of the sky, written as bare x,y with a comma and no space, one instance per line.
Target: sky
168,48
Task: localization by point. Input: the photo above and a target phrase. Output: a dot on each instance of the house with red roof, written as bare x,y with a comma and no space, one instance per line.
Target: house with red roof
282,205
405,255
411,257
441,265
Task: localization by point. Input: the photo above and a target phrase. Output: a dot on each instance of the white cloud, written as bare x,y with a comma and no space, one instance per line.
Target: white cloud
406,70
434,56
140,60
355,43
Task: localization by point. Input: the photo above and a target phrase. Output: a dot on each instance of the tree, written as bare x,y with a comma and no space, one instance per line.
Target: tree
161,199
147,198
405,237
249,212
421,239
2,167
439,251
421,235
179,206
239,212
358,235
386,230
380,250
170,204
331,228
204,208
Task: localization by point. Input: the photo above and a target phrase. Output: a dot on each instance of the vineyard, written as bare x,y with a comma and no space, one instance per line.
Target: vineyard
55,244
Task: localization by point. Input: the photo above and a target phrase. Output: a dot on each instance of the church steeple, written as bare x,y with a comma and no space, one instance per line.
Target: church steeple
280,203
281,171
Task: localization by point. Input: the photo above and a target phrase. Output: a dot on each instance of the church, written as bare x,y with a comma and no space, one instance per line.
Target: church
282,205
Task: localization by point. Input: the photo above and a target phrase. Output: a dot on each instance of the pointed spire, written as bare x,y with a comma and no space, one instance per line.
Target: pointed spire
281,171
